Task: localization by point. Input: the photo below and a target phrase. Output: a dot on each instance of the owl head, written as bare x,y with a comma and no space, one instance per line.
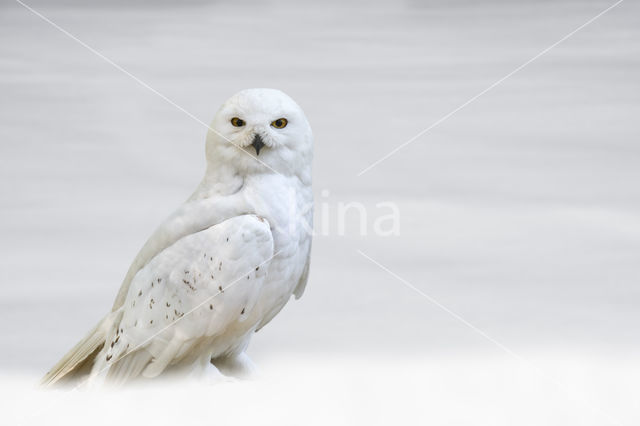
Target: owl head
260,131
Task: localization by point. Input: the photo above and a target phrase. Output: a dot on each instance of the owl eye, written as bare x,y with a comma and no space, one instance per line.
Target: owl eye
237,122
280,123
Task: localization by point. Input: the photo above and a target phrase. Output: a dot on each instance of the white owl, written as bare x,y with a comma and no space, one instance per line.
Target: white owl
223,265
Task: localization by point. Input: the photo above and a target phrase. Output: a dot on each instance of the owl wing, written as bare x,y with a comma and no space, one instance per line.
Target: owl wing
302,284
188,294
191,217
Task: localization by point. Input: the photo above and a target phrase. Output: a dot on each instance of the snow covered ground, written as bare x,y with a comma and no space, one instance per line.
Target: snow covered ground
371,390
520,213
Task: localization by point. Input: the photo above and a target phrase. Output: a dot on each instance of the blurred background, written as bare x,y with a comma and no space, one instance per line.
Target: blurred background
520,213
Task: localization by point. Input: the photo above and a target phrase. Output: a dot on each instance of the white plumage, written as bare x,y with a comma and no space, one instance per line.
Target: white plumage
224,264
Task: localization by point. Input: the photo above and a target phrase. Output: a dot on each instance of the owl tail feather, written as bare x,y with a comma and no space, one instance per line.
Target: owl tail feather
79,360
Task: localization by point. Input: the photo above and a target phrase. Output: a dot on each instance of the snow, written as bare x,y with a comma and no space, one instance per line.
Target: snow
372,390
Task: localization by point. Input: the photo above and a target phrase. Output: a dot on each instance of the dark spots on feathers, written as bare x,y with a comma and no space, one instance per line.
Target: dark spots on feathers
168,304
220,266
257,267
109,357
188,284
242,312
115,341
140,293
220,289
159,280
211,307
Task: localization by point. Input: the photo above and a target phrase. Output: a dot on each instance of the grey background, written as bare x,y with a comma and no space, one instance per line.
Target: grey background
520,213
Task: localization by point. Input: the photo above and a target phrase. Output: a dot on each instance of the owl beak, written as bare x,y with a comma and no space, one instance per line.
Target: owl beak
257,144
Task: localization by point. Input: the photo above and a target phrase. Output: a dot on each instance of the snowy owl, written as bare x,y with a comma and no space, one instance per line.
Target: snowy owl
220,267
